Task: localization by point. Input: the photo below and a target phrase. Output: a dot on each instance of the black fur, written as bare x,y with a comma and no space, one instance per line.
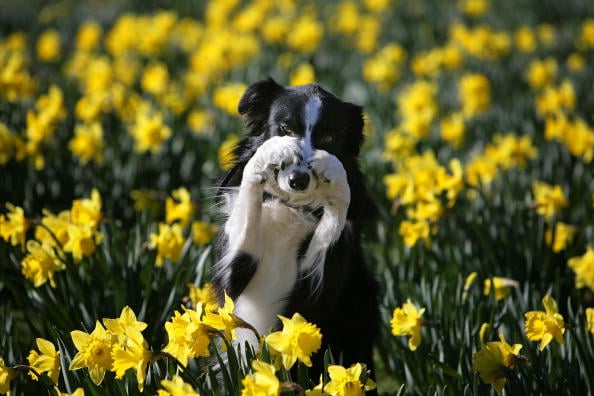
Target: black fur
346,307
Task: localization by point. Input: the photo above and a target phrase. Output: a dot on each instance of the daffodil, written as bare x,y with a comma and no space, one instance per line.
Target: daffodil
179,207
87,143
206,295
188,336
82,241
202,233
226,154
298,340
563,235
544,326
13,226
133,354
474,91
7,374
223,318
590,320
94,352
177,387
495,362
406,321
48,46
88,36
168,242
47,360
87,211
549,200
501,287
352,381
41,263
149,130
125,326
262,382
583,266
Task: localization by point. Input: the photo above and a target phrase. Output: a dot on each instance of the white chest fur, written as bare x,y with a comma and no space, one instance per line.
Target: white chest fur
281,233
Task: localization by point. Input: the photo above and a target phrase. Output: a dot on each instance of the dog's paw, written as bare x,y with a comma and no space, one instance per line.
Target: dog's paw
275,154
331,176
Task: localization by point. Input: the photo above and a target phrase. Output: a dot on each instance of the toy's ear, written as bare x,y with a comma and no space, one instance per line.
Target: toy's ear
255,103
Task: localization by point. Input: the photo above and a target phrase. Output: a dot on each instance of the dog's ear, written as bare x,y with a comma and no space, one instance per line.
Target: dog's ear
355,124
255,103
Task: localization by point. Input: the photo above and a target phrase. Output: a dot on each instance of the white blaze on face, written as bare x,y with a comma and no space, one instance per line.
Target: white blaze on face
312,114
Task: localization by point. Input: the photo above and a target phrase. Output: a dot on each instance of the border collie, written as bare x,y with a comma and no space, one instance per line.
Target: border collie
294,204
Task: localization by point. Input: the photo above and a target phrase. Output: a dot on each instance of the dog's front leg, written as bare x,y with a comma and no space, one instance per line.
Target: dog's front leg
334,186
243,225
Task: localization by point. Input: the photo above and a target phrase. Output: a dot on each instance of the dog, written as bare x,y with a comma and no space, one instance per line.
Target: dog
294,204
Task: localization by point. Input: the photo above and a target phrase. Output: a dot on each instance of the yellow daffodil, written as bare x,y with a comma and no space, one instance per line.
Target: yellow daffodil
202,233
468,282
168,242
350,381
201,122
453,129
544,326
303,74
226,97
564,234
88,36
94,352
474,91
77,392
226,154
177,387
223,318
298,340
179,207
134,354
590,320
583,266
7,374
262,382
541,73
7,144
496,361
149,130
413,231
87,143
306,34
549,200
188,337
13,226
155,78
406,321
501,287
82,241
125,326
48,46
41,263
48,361
87,211
206,295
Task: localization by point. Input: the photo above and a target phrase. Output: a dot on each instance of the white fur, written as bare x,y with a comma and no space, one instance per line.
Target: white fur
272,231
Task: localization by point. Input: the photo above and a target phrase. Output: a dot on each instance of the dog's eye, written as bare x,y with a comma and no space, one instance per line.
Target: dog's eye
328,139
286,131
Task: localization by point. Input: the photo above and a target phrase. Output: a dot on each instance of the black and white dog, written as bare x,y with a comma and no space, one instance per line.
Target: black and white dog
295,202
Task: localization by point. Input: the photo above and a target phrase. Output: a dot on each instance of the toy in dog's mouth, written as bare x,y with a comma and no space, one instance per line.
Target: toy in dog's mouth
296,184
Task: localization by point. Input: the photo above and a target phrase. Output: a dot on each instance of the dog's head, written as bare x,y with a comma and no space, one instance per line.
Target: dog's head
314,117
307,112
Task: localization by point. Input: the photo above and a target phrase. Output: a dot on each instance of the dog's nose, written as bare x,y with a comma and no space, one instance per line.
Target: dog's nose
298,180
